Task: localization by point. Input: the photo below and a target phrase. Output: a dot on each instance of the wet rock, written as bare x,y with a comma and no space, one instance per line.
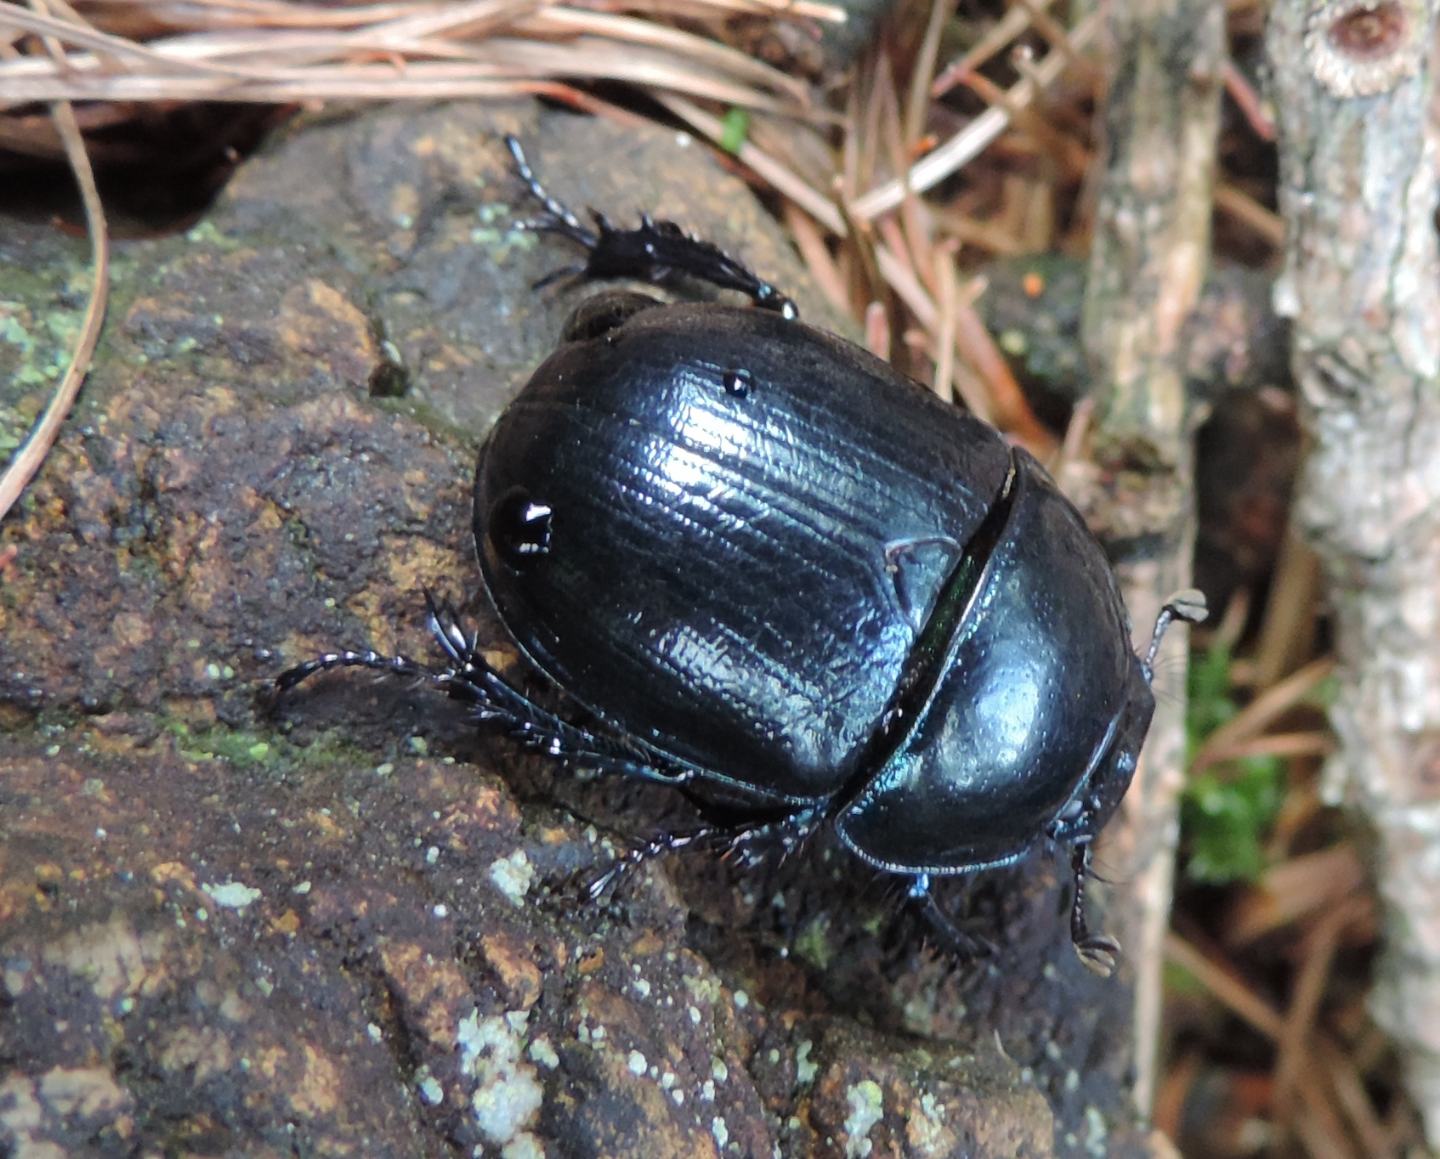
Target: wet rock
348,924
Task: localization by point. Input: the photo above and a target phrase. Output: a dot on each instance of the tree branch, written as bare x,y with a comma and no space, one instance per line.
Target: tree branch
1358,190
1147,267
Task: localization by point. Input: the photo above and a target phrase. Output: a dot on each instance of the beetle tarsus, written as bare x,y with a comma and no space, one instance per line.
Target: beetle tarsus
653,252
1099,954
564,273
444,623
401,666
560,218
735,834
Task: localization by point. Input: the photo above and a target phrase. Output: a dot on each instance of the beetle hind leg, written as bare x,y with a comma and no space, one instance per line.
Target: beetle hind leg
653,252
397,665
557,218
636,856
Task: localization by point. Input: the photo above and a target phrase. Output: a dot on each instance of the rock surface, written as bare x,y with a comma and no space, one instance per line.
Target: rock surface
346,923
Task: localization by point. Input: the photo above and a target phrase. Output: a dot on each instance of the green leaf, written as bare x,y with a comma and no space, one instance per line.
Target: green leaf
1225,815
1226,812
736,127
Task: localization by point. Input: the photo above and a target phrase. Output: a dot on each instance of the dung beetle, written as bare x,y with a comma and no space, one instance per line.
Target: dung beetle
774,573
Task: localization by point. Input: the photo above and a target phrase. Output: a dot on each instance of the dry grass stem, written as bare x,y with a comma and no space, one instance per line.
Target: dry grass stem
878,339
1316,743
1240,206
962,148
1252,107
1288,630
917,103
1319,948
994,40
1333,1105
1295,890
1232,993
294,53
947,293
32,452
1267,707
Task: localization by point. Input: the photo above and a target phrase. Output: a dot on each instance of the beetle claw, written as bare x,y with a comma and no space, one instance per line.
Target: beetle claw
637,856
1099,954
444,624
561,218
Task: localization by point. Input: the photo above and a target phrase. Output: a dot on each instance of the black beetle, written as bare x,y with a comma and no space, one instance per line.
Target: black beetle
795,584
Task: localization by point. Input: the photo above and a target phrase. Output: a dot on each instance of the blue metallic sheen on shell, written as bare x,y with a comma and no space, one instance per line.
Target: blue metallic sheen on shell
720,584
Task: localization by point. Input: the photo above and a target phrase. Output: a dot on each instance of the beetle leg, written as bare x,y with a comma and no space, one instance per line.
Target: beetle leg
793,826
1098,952
558,218
638,855
789,827
653,252
944,926
560,275
470,678
401,666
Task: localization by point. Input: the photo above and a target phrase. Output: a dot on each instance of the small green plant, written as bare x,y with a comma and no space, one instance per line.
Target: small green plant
735,128
1225,811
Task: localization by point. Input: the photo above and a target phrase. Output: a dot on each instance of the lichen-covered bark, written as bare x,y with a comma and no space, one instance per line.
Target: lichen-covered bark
1352,92
1147,269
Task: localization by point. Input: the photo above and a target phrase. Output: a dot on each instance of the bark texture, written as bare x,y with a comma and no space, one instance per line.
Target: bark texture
1358,191
1147,268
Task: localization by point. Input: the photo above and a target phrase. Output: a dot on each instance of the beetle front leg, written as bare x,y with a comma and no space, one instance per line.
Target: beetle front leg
1098,952
653,252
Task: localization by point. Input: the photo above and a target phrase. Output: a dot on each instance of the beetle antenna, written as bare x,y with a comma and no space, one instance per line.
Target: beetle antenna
1188,605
